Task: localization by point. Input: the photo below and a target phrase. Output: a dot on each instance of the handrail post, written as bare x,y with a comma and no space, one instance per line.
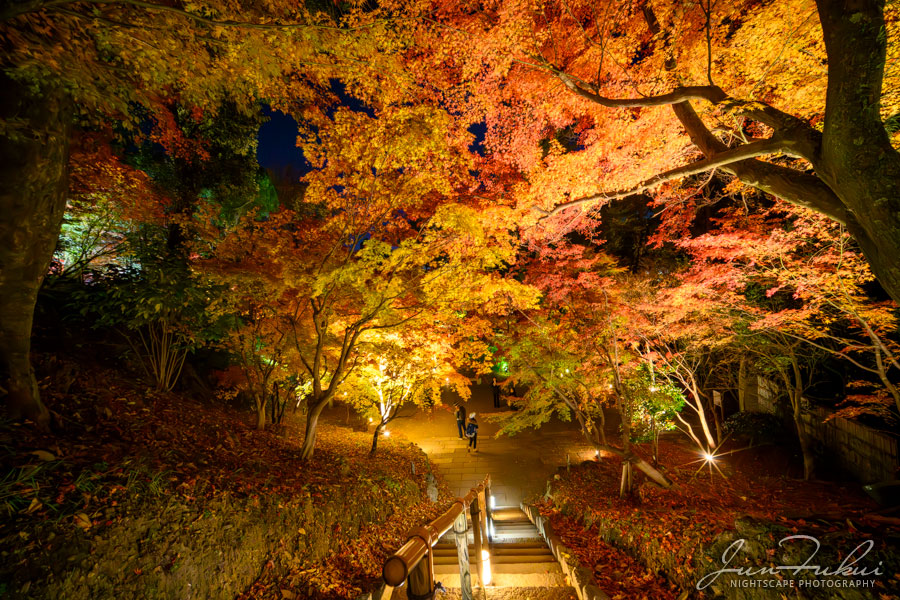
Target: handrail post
488,513
476,534
485,534
413,562
421,578
461,536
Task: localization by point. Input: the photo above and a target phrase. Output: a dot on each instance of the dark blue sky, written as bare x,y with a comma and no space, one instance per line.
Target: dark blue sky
278,143
277,147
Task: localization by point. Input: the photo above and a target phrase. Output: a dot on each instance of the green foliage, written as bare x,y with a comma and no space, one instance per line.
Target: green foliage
501,367
160,312
135,298
656,403
754,427
87,237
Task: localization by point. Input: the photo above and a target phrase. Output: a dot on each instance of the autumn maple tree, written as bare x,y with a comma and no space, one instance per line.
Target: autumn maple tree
377,244
412,366
576,354
789,97
788,286
74,65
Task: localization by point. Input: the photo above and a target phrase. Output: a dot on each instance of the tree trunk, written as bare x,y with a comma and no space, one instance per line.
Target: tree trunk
795,395
312,423
806,446
857,160
625,487
717,419
626,484
374,448
33,189
261,414
602,427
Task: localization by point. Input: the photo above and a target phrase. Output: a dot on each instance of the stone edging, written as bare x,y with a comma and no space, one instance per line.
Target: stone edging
580,578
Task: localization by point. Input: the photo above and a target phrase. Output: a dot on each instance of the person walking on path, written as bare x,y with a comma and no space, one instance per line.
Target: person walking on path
495,387
460,420
472,434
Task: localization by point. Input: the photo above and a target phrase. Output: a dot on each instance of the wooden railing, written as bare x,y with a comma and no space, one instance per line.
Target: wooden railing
414,561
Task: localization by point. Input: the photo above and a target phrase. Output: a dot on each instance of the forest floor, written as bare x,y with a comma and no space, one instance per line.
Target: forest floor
680,533
117,446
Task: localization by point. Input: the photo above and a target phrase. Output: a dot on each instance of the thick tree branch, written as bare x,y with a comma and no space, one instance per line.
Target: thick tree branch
793,186
710,93
757,148
788,184
757,111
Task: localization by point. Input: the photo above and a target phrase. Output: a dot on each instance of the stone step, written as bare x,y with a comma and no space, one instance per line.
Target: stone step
520,568
508,513
499,550
549,581
514,527
526,559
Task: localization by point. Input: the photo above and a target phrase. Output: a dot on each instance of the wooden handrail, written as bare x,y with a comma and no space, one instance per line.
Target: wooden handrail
398,566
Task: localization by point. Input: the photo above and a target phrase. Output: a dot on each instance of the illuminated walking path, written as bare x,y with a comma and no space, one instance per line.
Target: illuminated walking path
519,465
521,563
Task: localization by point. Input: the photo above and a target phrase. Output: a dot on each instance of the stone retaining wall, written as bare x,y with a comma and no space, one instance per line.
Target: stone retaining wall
580,578
868,454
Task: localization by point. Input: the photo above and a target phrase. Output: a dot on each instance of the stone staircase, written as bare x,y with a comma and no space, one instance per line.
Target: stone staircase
519,557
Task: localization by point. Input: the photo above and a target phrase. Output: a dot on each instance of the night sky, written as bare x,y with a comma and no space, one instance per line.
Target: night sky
277,147
278,143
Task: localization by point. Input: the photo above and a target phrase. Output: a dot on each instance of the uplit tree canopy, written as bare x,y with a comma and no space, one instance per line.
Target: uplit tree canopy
792,98
457,159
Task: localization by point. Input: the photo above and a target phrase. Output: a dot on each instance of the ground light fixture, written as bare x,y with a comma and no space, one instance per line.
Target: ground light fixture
710,458
486,567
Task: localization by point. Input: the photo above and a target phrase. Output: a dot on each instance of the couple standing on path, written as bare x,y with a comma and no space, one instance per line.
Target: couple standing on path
470,429
495,388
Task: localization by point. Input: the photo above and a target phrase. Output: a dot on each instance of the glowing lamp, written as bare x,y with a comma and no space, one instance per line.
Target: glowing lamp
486,567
